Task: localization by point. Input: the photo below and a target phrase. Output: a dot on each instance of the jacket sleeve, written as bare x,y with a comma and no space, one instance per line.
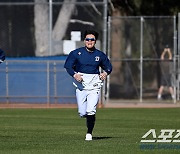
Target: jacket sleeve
2,56
106,64
70,64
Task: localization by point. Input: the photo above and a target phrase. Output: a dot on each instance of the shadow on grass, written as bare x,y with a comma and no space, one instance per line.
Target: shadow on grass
101,138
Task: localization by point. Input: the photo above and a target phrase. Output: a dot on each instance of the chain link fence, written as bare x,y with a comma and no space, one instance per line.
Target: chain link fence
135,47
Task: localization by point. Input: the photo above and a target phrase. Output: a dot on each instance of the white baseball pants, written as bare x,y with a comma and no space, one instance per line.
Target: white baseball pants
87,101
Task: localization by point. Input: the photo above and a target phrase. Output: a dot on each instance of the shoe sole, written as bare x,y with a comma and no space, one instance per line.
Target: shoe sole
88,139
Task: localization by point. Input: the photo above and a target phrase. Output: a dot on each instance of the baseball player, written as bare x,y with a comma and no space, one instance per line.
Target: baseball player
83,65
2,56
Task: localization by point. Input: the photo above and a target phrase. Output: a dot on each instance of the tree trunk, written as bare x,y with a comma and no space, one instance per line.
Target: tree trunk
61,26
41,21
116,45
63,20
41,28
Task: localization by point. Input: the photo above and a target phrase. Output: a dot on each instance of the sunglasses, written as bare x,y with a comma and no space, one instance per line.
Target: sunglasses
90,39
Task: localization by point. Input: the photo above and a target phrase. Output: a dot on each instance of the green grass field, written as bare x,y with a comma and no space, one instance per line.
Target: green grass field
61,131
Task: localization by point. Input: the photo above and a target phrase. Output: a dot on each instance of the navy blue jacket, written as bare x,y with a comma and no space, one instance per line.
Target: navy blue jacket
80,60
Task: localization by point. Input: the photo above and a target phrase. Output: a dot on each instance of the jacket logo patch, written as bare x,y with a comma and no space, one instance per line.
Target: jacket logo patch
95,85
97,58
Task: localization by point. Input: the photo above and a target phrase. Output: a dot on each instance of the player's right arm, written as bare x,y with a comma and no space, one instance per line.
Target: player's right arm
78,77
70,64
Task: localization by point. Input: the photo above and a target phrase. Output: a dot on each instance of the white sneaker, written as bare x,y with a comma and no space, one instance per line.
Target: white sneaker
159,98
88,137
173,97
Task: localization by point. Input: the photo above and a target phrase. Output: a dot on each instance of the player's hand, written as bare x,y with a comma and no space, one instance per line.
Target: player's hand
78,77
103,76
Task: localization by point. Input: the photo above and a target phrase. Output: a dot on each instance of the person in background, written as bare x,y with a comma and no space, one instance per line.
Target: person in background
166,58
2,56
83,65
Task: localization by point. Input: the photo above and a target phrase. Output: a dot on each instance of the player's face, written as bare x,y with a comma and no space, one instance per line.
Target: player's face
90,41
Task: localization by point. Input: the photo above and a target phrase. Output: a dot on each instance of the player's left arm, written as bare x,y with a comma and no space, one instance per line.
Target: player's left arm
169,54
106,66
103,76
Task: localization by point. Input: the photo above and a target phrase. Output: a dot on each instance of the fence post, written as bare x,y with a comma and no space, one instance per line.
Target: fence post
108,54
55,83
174,59
103,91
178,53
141,58
48,93
50,27
7,84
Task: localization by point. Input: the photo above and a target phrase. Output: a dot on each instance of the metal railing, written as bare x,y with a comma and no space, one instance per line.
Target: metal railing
32,81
